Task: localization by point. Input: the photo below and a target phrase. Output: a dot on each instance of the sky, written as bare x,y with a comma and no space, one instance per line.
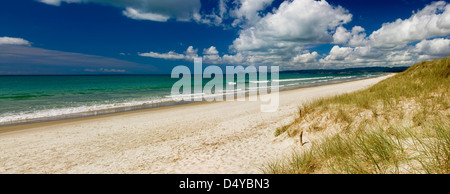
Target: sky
153,36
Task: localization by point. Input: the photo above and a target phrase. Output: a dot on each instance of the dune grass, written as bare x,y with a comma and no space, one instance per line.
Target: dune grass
400,125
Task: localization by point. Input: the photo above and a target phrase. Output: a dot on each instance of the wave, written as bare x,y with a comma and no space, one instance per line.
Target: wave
263,81
301,79
31,115
345,77
47,113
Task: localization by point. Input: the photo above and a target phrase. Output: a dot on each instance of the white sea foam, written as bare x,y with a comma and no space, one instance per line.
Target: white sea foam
256,82
47,113
300,79
344,77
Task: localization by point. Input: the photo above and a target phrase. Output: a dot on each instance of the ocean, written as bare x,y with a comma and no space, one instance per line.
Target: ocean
27,99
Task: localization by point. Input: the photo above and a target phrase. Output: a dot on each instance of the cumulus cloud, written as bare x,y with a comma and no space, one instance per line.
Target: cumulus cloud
278,37
13,41
154,10
395,42
236,59
293,23
431,21
363,56
439,47
211,55
247,11
306,58
211,51
355,37
341,36
189,54
339,53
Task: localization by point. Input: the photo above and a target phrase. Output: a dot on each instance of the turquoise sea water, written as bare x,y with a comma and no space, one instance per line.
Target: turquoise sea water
39,98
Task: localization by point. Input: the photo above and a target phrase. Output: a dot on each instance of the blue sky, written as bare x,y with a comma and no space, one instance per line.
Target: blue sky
152,36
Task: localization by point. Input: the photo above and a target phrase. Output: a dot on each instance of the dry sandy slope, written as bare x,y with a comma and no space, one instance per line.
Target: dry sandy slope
221,137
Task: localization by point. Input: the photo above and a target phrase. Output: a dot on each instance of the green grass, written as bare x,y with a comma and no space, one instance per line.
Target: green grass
400,125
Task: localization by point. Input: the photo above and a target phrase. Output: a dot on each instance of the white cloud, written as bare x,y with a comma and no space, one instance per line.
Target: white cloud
356,37
223,9
436,47
247,11
278,37
168,55
216,15
189,54
51,2
296,22
13,41
399,57
233,59
394,43
431,21
339,53
154,10
211,19
306,58
210,51
341,36
212,59
367,52
135,14
211,55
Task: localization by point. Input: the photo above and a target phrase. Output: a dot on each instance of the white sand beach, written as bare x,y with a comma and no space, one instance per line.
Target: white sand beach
217,137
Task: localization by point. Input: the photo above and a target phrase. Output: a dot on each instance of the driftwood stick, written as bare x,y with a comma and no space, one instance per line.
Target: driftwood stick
301,138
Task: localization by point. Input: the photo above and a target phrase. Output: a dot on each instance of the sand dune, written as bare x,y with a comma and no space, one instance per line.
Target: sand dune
218,137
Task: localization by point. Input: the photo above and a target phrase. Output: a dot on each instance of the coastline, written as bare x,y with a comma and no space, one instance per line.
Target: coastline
146,105
201,137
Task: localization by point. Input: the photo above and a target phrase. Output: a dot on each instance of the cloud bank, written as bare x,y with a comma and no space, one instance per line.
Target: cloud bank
287,35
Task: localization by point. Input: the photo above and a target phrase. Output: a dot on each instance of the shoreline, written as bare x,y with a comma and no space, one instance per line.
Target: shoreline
145,106
203,137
